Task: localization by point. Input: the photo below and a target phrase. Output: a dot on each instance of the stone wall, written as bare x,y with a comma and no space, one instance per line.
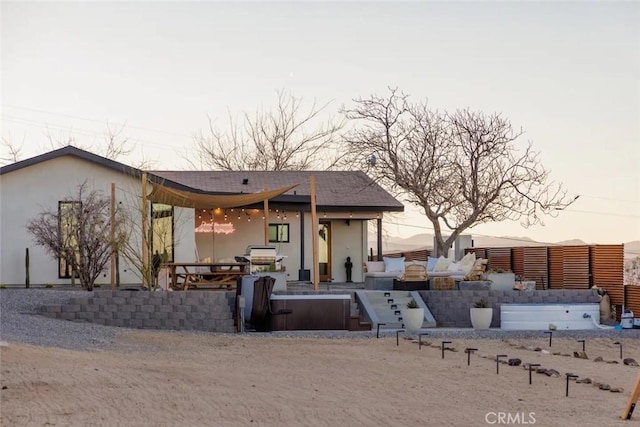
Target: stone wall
193,310
451,308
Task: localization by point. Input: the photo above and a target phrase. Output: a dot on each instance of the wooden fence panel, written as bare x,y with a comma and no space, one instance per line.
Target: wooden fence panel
607,270
535,265
499,258
517,257
555,266
575,267
633,299
418,255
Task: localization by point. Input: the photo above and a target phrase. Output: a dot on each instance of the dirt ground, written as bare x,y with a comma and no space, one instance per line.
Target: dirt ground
176,379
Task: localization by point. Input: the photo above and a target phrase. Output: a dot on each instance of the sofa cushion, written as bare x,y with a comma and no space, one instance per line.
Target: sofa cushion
374,266
442,264
393,265
431,262
467,262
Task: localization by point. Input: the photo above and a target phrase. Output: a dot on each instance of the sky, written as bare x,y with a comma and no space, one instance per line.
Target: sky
567,73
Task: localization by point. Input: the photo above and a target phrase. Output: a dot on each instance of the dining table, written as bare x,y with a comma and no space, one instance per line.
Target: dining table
198,275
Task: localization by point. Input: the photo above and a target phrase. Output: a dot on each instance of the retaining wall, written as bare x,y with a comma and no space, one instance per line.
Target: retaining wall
451,308
192,310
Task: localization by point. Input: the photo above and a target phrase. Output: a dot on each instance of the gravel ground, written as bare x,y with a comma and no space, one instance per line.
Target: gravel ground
19,323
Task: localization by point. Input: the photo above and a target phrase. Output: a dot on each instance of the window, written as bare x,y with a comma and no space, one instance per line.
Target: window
162,230
278,233
68,213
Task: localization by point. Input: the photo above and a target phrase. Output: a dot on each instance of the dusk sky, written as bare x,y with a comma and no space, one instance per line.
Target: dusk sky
567,73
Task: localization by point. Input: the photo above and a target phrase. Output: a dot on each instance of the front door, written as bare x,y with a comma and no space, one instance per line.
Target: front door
324,250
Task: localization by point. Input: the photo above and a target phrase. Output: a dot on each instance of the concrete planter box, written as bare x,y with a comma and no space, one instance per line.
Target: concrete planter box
502,281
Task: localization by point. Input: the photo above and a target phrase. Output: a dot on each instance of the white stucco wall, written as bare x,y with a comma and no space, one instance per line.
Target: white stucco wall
26,192
347,240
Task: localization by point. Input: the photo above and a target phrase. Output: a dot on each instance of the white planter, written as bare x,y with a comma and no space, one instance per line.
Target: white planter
412,319
481,317
502,281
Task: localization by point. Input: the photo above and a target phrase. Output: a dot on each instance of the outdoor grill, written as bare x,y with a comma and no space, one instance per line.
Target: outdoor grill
261,257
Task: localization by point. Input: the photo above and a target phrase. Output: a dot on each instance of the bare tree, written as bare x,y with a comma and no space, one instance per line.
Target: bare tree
78,234
14,152
462,168
113,146
286,138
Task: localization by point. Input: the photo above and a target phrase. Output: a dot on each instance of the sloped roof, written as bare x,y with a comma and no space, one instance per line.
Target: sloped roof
70,150
340,189
333,188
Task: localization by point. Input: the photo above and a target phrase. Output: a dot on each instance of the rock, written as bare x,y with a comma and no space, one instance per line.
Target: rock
616,390
514,362
541,371
556,353
580,355
521,347
552,373
604,387
545,352
612,362
566,355
537,349
630,361
585,380
598,359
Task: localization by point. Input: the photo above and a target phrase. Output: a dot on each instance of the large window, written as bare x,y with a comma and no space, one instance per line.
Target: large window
68,214
162,230
279,233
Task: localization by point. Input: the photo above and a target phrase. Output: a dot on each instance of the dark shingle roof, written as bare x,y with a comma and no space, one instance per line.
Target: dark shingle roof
333,188
349,189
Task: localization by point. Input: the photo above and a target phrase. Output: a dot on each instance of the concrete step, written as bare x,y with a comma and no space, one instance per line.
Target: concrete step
386,307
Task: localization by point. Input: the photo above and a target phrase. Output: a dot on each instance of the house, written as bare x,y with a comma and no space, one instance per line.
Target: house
208,223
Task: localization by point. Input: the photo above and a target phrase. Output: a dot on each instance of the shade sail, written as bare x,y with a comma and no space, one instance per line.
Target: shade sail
187,199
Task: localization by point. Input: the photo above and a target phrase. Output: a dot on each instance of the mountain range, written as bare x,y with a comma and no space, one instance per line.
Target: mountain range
425,240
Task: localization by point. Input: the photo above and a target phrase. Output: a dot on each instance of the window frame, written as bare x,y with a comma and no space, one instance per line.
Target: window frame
278,227
64,270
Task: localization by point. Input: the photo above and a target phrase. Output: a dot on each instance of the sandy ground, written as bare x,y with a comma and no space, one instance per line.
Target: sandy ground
174,379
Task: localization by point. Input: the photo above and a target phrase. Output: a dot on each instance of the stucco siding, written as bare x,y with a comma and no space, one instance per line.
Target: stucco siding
26,192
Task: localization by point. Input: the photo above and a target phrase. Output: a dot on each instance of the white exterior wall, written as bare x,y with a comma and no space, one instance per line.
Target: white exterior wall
347,240
26,192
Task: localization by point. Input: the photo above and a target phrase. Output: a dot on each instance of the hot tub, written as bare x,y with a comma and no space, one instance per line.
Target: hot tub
539,316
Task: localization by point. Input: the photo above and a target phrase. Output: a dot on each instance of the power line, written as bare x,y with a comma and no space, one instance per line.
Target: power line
98,121
71,130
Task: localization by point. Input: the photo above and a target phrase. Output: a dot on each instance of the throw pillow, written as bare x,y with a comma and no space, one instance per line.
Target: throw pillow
431,262
393,265
375,266
442,264
454,266
467,262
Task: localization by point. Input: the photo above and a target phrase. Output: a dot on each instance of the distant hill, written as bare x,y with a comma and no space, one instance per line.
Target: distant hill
425,241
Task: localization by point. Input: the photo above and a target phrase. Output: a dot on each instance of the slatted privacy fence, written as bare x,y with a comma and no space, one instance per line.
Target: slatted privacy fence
607,270
633,300
517,261
499,258
536,265
555,266
575,267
